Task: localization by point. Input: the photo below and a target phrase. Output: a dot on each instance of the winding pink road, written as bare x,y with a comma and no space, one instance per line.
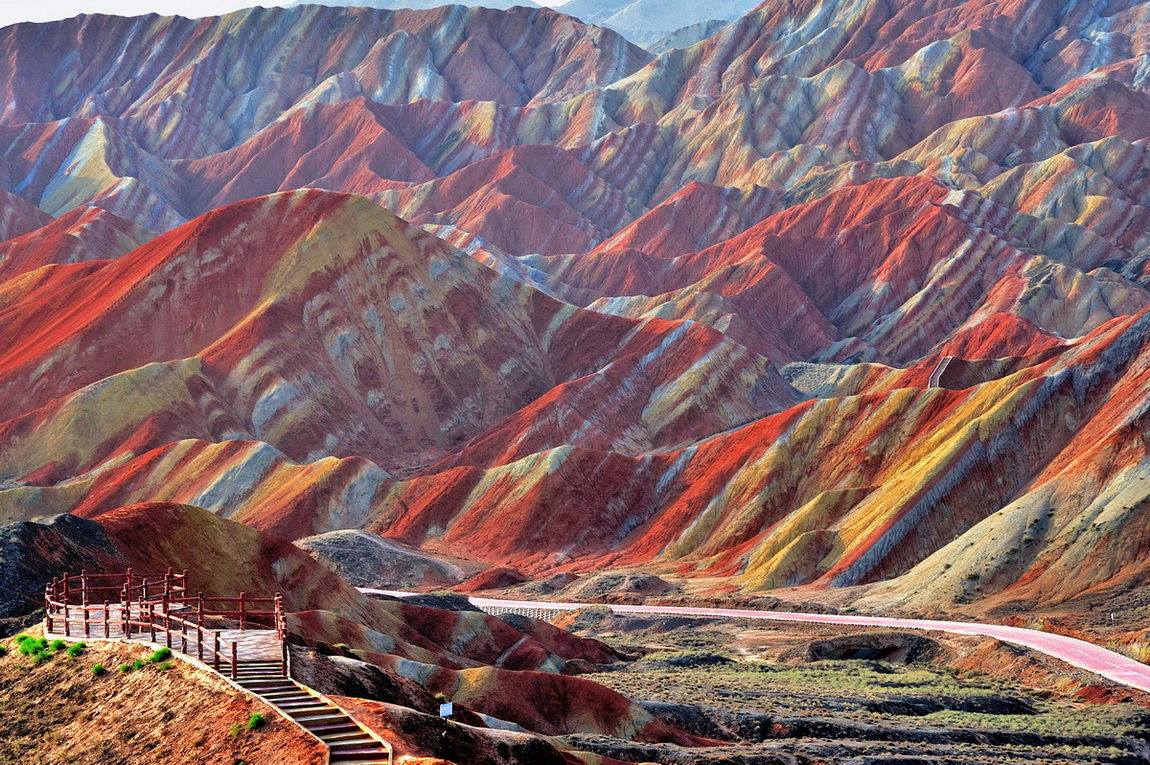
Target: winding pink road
1079,653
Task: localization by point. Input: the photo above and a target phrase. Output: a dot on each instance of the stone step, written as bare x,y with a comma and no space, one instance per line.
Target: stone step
363,741
295,693
347,725
308,720
274,684
356,752
291,707
347,736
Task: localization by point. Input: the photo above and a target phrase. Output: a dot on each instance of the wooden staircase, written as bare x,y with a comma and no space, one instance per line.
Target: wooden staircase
247,653
347,740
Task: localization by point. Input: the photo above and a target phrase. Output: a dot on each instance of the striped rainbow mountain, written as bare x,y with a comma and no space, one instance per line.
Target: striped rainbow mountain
851,294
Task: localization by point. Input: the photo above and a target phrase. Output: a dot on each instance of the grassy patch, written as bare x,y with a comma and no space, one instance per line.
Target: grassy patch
862,690
76,649
99,669
160,654
256,721
30,646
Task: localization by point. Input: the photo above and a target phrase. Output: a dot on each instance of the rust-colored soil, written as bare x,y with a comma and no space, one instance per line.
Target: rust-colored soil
59,713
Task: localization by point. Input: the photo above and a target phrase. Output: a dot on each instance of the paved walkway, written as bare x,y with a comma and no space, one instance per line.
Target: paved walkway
1079,653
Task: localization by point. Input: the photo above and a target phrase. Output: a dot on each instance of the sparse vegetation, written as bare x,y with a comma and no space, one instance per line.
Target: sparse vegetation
126,668
256,721
30,646
3,650
99,669
160,655
164,666
235,729
76,649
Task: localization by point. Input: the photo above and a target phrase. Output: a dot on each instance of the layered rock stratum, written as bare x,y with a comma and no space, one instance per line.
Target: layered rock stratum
848,293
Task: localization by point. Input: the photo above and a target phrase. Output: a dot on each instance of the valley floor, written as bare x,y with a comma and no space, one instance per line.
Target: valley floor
861,696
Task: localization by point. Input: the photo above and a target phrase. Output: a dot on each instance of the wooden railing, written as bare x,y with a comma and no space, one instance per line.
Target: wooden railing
160,603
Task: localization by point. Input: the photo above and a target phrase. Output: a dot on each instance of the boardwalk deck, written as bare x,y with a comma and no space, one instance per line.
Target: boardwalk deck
260,660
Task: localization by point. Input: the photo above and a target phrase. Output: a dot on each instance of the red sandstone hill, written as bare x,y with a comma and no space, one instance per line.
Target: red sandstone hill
933,220
483,662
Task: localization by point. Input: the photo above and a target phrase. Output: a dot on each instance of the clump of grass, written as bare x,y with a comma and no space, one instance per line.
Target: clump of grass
42,657
3,650
99,670
76,649
256,721
159,655
126,668
58,645
164,666
235,729
30,646
137,664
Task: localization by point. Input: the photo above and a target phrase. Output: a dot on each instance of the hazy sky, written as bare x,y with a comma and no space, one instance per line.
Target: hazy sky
12,11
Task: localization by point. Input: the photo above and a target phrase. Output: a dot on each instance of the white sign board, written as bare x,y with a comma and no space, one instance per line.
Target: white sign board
445,710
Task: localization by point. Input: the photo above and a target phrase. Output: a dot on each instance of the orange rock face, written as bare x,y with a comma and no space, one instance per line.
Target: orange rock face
848,293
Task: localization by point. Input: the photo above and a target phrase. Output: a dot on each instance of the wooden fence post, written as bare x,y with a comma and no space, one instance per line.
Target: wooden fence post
216,652
234,660
152,620
84,587
167,613
243,596
125,609
67,627
47,609
107,620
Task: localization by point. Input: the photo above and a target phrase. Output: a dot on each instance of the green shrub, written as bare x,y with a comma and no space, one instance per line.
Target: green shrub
76,649
99,670
3,650
58,645
126,668
235,729
137,664
30,646
164,666
256,721
162,654
40,657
